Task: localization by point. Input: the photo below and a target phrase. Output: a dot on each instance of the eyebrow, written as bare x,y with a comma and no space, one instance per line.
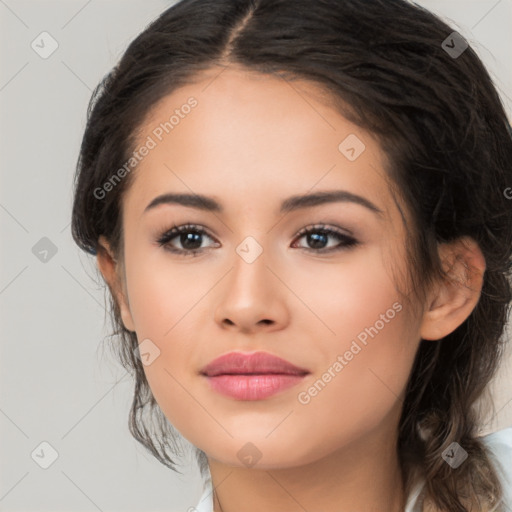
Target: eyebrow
293,203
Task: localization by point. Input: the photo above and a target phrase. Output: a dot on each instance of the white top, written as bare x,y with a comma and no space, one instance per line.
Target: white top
500,444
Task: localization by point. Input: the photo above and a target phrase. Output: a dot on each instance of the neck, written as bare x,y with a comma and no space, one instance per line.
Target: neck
362,475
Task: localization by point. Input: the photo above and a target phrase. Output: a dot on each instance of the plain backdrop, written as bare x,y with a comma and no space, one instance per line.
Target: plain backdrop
57,385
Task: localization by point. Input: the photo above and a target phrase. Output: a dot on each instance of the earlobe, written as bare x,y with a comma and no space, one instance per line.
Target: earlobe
109,268
453,300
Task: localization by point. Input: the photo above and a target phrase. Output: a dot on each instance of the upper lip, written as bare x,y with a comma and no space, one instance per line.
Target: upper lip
236,363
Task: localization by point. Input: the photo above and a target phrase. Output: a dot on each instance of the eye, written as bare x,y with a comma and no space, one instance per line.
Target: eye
189,236
318,236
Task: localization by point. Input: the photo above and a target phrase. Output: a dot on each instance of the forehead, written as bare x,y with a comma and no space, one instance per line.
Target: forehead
238,134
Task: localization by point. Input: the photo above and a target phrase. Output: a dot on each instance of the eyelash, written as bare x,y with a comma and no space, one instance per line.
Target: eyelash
347,241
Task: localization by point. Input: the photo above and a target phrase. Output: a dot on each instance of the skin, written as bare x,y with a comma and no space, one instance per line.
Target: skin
251,142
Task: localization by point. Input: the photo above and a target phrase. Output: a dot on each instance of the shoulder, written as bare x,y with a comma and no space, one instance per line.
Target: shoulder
500,446
205,503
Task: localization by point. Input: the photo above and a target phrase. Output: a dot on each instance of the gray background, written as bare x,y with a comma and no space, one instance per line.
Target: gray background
57,383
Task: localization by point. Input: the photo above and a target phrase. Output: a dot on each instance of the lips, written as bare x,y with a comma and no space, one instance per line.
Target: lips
255,376
256,363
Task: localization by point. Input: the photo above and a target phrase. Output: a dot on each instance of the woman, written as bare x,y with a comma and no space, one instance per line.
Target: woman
346,164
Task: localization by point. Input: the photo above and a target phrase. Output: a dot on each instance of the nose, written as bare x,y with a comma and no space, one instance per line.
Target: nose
252,298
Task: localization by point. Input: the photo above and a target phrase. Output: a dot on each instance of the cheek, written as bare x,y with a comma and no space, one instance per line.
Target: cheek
366,373
160,293
362,387
349,296
165,300
369,351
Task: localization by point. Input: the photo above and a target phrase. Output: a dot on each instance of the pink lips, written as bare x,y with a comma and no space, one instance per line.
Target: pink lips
252,376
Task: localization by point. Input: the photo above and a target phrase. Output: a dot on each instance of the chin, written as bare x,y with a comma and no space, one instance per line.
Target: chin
263,455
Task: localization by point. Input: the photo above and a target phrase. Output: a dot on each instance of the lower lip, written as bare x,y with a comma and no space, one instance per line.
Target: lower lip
253,387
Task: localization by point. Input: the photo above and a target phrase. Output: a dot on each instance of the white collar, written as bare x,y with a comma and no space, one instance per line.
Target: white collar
414,501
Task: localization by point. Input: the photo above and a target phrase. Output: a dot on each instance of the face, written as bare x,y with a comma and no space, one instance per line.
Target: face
312,282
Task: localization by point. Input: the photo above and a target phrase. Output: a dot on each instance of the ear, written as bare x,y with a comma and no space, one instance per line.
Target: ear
110,269
453,300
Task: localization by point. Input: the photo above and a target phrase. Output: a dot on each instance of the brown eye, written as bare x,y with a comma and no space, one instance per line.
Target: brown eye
318,239
189,236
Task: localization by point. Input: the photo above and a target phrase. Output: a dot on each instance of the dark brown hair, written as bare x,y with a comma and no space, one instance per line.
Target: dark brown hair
443,128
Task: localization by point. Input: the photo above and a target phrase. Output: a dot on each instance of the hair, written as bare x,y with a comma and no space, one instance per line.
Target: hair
448,143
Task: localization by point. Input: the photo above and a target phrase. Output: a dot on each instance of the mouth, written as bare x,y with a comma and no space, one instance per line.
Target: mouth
253,387
255,363
253,376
